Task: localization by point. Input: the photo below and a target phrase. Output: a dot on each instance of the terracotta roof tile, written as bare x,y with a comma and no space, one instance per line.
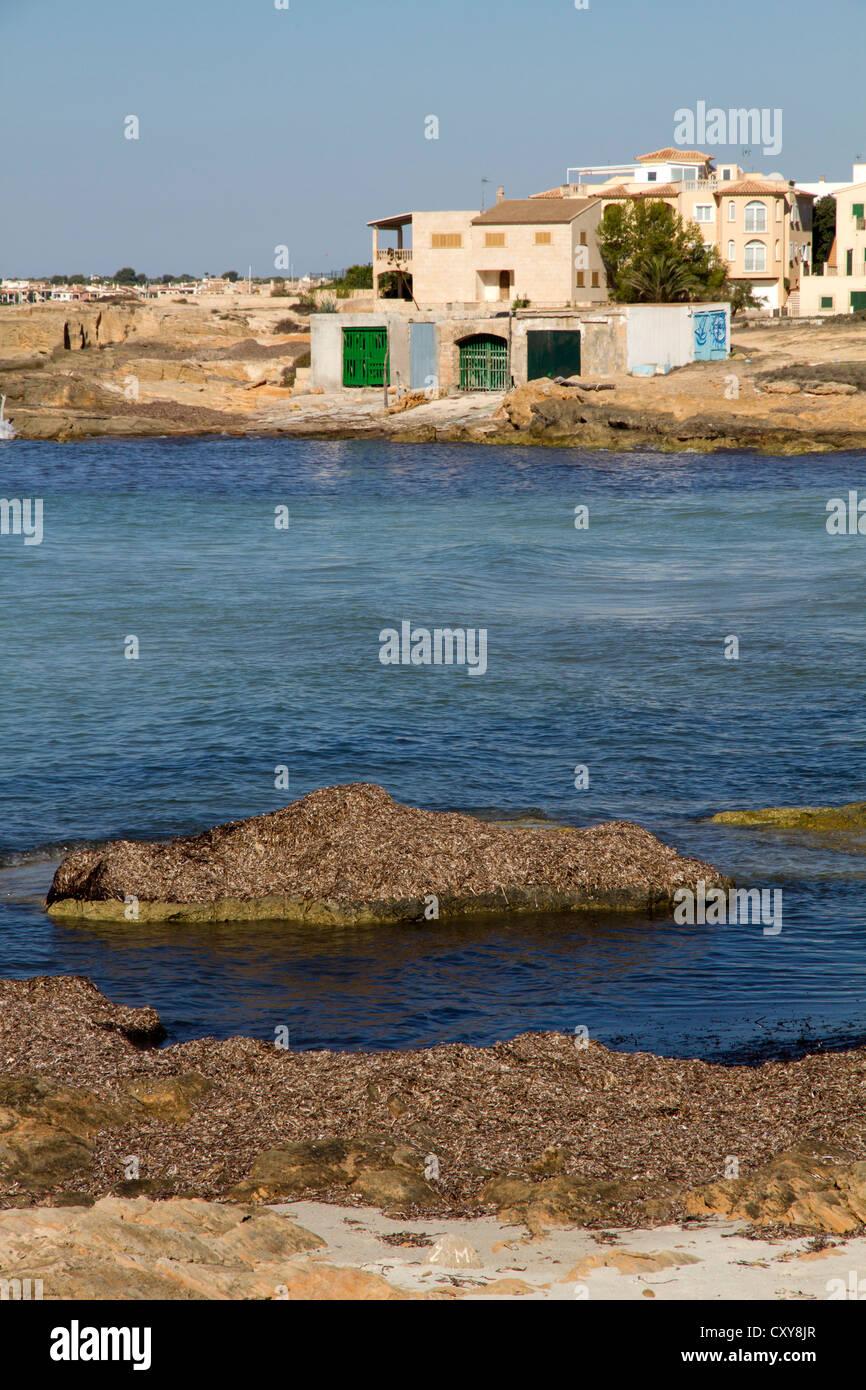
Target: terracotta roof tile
672,156
516,210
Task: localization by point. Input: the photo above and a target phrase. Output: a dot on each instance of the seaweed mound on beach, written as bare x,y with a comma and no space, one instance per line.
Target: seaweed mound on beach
353,854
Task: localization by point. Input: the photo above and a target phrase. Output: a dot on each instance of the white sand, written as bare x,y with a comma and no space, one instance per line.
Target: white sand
730,1266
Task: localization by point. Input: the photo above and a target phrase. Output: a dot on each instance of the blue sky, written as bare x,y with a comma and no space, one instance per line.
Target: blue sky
261,127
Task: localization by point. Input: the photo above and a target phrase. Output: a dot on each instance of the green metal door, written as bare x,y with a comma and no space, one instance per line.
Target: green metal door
365,357
858,300
552,353
484,363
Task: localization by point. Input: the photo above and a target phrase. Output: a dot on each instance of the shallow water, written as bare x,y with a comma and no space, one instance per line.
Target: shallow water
259,648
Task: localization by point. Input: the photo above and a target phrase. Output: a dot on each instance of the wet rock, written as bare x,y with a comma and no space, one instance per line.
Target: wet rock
849,817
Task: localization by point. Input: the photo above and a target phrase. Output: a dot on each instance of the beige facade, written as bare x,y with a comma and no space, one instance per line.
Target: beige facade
520,249
842,286
762,228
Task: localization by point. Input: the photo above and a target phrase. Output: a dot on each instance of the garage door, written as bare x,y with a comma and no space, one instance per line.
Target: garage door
554,352
858,300
484,363
365,353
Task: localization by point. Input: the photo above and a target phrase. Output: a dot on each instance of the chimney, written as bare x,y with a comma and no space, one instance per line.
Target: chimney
500,194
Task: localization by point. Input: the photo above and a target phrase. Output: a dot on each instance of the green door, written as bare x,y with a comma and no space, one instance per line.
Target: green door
554,353
484,363
858,300
365,357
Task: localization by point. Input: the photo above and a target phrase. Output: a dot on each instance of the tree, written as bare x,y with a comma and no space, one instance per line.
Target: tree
650,255
739,293
231,275
358,277
823,232
126,276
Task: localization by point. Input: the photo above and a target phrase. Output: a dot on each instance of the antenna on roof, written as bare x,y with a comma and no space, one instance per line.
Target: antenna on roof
483,182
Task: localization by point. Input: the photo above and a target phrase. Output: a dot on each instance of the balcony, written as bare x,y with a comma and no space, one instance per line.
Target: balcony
394,256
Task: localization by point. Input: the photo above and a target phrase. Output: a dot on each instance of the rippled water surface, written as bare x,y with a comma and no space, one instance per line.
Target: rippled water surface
259,648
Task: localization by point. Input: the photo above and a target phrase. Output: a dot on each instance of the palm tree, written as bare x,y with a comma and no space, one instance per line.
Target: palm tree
660,278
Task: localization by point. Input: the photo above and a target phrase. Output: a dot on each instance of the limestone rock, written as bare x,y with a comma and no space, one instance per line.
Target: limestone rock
453,1252
806,1186
517,405
388,1176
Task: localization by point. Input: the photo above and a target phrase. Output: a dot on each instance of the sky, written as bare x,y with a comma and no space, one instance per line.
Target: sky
262,127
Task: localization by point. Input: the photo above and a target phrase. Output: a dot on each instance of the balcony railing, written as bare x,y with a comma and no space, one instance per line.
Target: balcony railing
394,256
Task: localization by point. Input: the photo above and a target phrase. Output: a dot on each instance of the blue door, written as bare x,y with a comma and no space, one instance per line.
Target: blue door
423,375
711,335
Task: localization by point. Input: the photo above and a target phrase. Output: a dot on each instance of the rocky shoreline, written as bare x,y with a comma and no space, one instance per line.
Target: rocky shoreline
540,1130
132,370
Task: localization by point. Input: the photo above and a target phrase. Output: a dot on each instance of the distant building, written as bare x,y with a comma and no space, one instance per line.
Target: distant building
841,288
762,227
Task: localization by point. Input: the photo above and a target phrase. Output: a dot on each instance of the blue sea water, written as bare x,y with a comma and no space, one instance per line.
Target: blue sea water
259,648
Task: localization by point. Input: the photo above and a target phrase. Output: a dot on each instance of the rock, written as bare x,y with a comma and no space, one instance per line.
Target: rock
780,388
517,405
122,1249
576,1201
353,855
830,388
386,1176
48,1131
630,1262
172,1098
454,1252
849,817
806,1186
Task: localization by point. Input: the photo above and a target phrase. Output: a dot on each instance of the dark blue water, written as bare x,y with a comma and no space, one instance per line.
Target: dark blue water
259,648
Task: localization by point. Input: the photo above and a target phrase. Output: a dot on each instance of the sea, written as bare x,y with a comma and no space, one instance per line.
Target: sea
193,635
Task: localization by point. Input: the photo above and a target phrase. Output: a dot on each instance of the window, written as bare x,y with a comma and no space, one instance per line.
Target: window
443,241
703,212
595,279
778,250
494,238
726,175
755,256
826,301
732,251
542,238
583,238
857,210
756,217
581,279
652,176
681,173
849,262
732,211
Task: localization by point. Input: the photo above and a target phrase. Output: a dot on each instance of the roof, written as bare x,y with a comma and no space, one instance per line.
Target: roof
516,210
399,221
650,190
672,156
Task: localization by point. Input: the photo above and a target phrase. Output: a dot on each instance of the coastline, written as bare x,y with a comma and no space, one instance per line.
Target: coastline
790,386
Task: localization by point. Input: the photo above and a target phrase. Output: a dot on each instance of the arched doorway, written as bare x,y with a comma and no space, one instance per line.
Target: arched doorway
483,363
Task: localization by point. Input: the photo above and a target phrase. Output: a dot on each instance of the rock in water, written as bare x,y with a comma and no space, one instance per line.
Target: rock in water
352,855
